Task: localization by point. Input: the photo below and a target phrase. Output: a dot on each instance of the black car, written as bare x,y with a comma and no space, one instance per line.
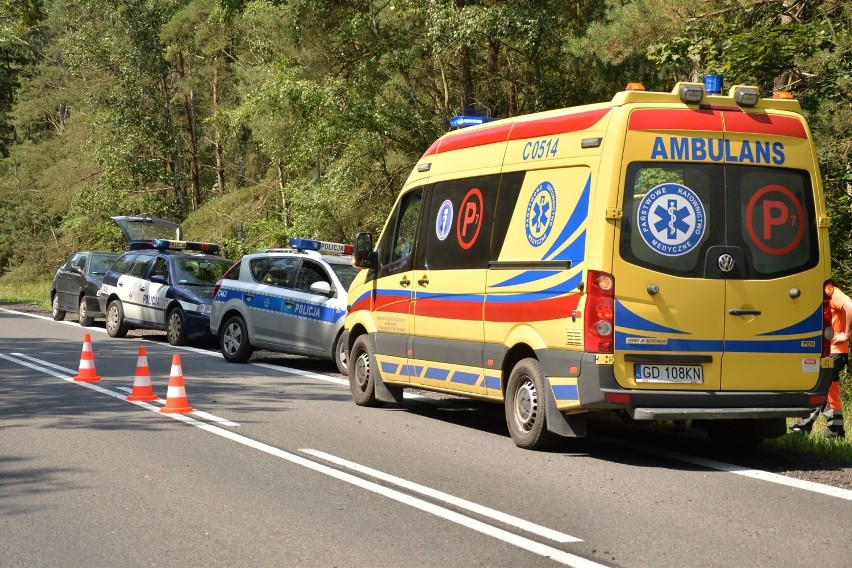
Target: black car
76,284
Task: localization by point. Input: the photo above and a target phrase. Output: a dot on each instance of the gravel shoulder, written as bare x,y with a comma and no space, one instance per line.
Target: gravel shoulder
799,465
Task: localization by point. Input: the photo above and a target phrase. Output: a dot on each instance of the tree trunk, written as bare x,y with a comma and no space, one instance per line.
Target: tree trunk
188,111
217,144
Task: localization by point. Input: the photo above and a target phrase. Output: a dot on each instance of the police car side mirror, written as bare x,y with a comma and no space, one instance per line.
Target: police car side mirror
322,288
364,256
159,279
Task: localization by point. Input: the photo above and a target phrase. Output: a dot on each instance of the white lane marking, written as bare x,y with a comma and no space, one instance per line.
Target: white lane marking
828,490
823,489
451,499
529,545
44,366
199,413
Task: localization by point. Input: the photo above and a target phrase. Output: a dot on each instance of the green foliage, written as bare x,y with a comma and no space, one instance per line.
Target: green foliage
304,117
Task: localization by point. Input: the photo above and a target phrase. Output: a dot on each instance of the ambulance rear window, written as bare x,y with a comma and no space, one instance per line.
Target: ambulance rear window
679,216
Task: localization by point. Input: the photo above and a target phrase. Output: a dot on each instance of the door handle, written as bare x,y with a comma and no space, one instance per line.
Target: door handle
249,297
423,281
142,288
405,282
740,312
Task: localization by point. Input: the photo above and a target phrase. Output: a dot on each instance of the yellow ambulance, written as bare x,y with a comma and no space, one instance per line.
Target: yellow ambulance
662,254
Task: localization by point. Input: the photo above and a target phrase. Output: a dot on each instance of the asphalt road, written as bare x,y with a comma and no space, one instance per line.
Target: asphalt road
280,468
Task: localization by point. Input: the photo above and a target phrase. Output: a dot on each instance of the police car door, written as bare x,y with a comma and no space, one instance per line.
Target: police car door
154,301
771,266
311,321
132,287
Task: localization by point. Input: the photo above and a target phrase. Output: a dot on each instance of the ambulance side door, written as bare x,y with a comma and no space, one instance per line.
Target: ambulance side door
394,295
449,288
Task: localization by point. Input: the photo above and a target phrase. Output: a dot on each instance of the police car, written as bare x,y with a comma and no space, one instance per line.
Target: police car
286,300
162,284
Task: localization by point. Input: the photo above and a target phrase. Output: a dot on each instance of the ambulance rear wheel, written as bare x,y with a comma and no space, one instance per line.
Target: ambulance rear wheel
57,314
115,325
362,370
525,406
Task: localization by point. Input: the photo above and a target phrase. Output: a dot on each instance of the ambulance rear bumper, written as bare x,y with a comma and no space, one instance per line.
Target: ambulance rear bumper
716,413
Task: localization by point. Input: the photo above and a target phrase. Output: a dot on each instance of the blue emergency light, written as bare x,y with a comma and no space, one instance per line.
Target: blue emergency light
320,246
467,120
165,244
713,84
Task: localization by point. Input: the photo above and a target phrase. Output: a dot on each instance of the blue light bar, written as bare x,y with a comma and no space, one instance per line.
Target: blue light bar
463,121
165,244
320,246
304,244
713,84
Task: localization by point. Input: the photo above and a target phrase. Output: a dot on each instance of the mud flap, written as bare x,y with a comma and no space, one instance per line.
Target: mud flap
568,425
385,393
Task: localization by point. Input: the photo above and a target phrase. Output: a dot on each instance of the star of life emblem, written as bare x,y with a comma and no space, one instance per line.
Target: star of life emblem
671,219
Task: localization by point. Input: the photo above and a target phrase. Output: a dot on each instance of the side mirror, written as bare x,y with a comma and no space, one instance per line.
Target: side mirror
322,288
158,279
364,256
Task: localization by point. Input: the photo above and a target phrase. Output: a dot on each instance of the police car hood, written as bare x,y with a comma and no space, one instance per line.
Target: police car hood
200,294
144,228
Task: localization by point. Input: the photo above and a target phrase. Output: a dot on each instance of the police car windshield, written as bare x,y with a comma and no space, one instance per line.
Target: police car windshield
199,271
345,272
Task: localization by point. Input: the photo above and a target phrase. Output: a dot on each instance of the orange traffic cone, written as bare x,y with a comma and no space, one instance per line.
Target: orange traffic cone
176,398
142,389
87,373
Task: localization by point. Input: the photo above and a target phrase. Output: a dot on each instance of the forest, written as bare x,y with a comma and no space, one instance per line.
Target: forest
251,121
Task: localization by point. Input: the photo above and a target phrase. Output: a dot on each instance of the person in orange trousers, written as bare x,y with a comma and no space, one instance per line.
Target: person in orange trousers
841,324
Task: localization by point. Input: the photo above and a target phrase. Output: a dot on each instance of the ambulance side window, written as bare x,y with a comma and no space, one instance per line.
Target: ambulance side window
397,246
457,228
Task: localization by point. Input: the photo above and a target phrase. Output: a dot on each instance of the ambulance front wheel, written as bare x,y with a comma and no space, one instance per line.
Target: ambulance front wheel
362,369
525,406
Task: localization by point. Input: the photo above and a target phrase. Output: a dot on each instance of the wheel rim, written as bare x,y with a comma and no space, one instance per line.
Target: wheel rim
55,304
174,326
526,404
232,339
83,314
341,355
112,318
362,370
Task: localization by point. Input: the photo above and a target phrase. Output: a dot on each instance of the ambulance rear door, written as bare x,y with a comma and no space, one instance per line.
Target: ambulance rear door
771,266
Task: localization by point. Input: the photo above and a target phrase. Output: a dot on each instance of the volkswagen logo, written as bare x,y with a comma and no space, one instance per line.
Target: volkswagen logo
726,263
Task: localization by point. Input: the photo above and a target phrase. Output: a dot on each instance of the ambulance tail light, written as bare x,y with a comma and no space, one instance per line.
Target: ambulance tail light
827,331
599,315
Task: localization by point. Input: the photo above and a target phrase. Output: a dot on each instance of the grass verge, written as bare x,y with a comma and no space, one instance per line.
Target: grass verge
26,292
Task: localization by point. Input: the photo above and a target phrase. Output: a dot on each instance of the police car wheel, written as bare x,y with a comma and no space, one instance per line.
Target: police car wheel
115,325
340,355
57,314
84,318
362,370
525,406
234,340
176,328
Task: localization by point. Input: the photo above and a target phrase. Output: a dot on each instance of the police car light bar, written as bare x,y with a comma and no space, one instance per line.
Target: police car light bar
164,244
463,121
321,246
